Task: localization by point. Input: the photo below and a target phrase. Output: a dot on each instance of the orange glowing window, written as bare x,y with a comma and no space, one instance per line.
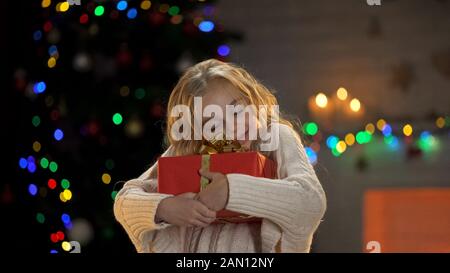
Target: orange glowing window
407,220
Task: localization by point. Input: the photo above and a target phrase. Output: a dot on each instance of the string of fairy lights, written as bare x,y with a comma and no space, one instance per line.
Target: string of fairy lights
46,33
425,140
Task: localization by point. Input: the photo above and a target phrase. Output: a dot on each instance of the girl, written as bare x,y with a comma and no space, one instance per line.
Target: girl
291,206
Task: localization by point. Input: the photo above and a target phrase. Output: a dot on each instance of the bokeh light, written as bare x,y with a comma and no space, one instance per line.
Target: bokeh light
122,5
387,129
223,50
62,6
145,5
311,128
39,87
99,11
370,128
65,184
32,189
44,163
392,142
342,93
321,100
66,246
46,3
355,105
106,178
51,183
173,10
440,122
65,218
206,26
312,156
380,124
341,146
23,163
117,118
332,141
58,134
407,130
363,137
53,166
40,218
132,13
36,146
349,139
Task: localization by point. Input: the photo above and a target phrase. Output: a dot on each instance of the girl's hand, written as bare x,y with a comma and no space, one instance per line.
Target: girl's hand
215,195
183,210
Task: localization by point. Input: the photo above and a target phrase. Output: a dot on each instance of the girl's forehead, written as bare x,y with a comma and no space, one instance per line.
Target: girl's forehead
221,93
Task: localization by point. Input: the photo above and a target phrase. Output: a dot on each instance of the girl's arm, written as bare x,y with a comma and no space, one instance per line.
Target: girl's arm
136,204
296,202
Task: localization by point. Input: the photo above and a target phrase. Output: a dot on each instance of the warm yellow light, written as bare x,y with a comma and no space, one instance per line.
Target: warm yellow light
342,93
350,139
51,62
106,178
62,6
370,128
407,130
440,122
66,246
61,197
355,105
341,146
46,3
321,100
36,146
67,195
145,5
380,124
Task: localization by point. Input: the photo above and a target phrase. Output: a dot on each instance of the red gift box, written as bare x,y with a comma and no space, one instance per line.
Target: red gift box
179,174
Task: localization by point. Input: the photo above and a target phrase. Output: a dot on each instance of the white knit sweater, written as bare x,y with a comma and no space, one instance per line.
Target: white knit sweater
291,207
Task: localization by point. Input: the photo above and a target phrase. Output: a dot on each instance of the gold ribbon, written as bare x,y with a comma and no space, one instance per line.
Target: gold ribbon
205,166
215,146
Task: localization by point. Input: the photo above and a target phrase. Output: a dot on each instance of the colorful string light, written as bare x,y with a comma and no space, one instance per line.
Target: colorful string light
321,100
122,5
117,118
58,134
223,50
132,13
39,87
206,26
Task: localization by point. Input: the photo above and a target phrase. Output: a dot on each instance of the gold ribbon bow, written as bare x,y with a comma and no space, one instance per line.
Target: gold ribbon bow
216,146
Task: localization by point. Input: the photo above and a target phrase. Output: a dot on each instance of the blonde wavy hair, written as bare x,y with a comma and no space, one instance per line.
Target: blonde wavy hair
194,83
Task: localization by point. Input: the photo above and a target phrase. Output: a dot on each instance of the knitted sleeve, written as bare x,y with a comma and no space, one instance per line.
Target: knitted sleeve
136,204
296,201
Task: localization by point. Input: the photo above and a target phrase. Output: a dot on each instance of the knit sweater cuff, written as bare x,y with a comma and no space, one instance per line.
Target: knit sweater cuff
138,212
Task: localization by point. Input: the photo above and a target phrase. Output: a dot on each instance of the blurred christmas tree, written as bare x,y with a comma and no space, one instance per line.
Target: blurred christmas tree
91,82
